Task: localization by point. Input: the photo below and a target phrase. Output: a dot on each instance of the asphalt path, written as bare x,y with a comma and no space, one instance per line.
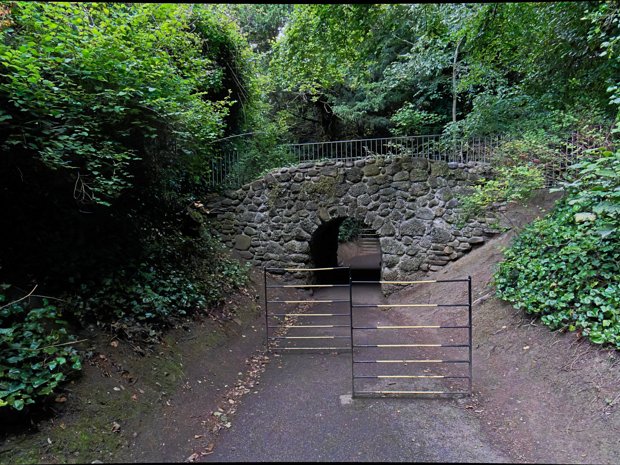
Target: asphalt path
303,411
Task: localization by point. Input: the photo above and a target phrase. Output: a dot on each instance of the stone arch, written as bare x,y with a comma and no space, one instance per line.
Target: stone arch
324,247
413,204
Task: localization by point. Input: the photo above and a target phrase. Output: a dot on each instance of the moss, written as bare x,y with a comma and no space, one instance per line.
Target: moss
274,194
324,188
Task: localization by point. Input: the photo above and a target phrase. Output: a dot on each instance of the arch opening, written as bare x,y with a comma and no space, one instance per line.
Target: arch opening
345,241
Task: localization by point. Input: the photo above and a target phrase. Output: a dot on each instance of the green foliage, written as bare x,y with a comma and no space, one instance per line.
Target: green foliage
359,70
350,229
509,184
86,85
605,30
260,22
180,277
34,355
565,268
409,120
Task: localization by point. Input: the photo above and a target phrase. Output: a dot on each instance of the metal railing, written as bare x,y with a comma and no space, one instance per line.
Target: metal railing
225,170
432,147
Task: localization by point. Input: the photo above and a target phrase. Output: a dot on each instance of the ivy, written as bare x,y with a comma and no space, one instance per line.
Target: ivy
565,268
36,354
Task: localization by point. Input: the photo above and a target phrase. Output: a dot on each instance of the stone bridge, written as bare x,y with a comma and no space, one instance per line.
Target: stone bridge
291,216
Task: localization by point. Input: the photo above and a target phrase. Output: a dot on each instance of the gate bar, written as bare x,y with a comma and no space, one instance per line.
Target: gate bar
307,285
413,282
408,305
310,326
309,314
387,393
306,301
409,376
309,269
411,327
411,361
309,337
411,345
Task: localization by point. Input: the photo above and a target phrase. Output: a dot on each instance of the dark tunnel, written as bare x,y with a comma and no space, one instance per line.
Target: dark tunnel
324,252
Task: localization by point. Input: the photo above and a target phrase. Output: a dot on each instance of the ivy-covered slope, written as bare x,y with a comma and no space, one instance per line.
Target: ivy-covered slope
566,267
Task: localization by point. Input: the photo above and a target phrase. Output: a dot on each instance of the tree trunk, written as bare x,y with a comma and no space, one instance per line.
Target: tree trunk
454,93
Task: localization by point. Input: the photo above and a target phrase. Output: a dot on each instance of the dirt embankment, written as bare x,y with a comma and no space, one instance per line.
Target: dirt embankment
128,407
545,396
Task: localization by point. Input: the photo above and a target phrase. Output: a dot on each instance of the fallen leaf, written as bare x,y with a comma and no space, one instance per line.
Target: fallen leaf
134,397
209,447
60,399
193,457
114,343
115,427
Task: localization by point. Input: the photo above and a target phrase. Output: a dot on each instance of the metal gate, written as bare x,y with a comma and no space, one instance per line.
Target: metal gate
417,351
313,323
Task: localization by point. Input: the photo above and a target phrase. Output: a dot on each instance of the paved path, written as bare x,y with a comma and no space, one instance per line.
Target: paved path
304,412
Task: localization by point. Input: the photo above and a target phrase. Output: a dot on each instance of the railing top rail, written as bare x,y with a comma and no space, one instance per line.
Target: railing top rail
363,140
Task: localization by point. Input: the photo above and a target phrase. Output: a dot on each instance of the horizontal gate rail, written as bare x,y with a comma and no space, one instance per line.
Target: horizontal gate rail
429,281
412,345
407,305
408,376
306,285
411,361
306,301
289,315
309,270
412,327
309,314
421,344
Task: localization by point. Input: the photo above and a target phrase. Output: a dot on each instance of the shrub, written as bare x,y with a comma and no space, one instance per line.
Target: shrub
510,184
182,277
566,267
34,355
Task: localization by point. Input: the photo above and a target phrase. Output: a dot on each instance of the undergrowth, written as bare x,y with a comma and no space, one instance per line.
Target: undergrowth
565,267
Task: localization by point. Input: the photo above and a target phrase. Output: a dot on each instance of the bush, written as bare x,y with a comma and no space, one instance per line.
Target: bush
34,355
181,277
350,229
566,267
510,184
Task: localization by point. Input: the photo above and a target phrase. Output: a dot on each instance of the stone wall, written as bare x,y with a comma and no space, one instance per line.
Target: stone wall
411,204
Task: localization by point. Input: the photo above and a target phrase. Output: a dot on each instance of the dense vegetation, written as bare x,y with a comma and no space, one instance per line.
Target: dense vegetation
566,267
113,116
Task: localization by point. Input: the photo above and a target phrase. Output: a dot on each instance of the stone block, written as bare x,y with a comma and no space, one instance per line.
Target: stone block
413,227
425,213
242,242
